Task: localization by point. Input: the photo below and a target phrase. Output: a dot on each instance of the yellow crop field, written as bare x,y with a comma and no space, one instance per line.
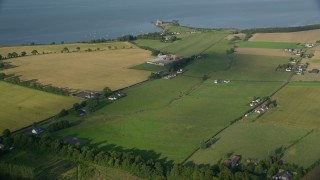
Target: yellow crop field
298,37
83,70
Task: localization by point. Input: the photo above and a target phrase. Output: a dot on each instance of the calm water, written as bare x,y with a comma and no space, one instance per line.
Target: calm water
45,21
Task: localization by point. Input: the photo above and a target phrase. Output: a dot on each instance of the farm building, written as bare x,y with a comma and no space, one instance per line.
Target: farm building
87,95
219,81
314,71
163,60
37,131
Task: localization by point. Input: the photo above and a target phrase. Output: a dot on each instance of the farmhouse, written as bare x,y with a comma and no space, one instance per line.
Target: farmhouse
255,102
219,81
163,60
297,52
37,131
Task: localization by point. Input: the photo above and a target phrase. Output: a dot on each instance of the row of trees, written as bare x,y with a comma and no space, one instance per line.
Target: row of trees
281,29
35,85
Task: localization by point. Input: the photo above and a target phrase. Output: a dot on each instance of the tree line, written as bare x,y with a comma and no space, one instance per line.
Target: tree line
152,168
281,29
34,85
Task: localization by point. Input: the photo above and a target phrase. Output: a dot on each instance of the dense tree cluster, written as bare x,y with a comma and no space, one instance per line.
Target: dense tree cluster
127,38
154,36
58,126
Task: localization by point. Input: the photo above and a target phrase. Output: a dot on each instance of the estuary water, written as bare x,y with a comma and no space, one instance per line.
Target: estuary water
46,21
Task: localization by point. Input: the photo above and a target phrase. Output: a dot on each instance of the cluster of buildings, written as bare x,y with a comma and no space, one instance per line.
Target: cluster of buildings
261,109
301,68
256,102
173,75
309,45
163,60
116,96
219,81
88,95
297,52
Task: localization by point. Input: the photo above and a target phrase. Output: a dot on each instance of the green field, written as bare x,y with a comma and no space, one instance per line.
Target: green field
188,45
306,151
270,45
171,120
251,140
252,67
22,106
298,106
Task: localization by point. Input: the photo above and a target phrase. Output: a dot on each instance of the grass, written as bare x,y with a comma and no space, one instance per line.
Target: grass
58,47
171,121
188,45
250,140
252,67
22,106
297,106
84,70
306,151
269,45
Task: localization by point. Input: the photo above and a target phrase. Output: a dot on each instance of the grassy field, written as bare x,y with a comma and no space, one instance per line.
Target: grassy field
85,70
269,45
297,106
263,52
169,121
306,151
250,67
251,140
295,37
57,48
188,45
22,106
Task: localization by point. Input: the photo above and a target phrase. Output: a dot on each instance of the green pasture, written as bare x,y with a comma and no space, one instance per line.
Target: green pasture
168,122
270,45
188,45
306,151
253,67
23,106
298,106
250,140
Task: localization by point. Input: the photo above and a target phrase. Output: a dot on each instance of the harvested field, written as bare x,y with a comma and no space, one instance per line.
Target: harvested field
263,52
83,71
298,37
316,54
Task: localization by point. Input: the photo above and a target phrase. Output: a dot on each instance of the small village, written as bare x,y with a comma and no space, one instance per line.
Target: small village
163,60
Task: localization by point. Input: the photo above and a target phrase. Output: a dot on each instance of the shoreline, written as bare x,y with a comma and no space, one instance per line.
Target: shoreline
276,29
